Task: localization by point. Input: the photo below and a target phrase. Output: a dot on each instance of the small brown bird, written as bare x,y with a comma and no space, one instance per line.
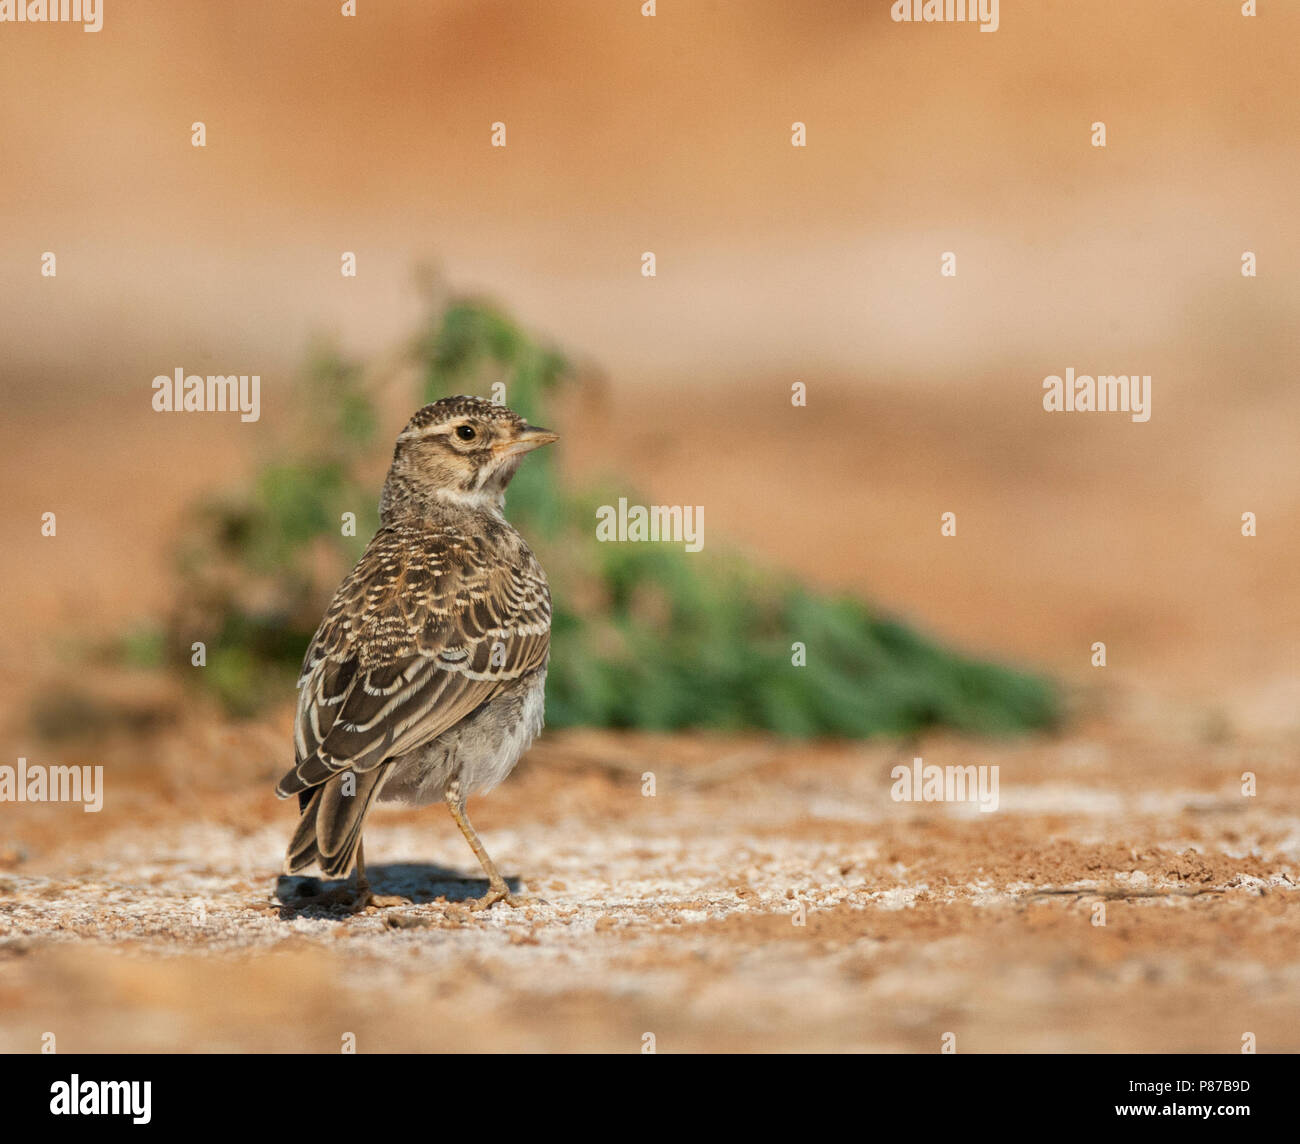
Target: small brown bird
425,679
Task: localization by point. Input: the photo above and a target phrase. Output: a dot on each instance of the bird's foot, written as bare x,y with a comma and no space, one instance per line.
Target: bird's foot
351,899
498,892
383,901
364,899
309,895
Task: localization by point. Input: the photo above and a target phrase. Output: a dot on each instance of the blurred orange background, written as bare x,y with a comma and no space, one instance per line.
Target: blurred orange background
776,264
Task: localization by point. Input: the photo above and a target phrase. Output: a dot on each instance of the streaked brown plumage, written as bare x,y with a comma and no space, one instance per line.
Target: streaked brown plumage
425,678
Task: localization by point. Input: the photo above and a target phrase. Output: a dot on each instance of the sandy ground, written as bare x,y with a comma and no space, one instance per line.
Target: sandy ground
767,897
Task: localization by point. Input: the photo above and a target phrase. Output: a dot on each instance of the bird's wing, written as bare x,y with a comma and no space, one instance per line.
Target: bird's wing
430,624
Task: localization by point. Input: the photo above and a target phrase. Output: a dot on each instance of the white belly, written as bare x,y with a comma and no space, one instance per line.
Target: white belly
480,751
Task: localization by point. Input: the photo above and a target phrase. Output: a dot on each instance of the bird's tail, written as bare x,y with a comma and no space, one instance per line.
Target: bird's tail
329,831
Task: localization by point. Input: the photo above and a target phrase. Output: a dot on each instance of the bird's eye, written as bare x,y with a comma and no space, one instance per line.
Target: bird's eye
465,432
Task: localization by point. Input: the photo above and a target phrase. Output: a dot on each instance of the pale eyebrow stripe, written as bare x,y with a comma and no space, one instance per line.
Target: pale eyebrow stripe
426,431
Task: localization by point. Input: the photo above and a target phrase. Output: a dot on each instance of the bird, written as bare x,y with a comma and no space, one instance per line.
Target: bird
425,681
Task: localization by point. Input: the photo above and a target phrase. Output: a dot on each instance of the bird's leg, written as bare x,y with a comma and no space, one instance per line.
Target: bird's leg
353,895
348,894
364,897
498,891
363,883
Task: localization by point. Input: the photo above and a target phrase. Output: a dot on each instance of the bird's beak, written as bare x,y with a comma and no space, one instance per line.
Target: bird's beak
530,437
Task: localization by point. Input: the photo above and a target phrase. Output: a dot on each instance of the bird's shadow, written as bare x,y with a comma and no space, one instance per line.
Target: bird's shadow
418,882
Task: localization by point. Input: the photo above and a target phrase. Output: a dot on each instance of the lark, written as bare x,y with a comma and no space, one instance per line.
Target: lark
425,681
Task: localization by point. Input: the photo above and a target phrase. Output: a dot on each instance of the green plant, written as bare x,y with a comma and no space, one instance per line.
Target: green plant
662,640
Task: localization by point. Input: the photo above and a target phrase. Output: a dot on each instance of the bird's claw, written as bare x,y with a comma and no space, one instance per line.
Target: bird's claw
498,893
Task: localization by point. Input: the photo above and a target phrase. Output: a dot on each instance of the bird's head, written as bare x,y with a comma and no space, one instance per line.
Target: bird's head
459,450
